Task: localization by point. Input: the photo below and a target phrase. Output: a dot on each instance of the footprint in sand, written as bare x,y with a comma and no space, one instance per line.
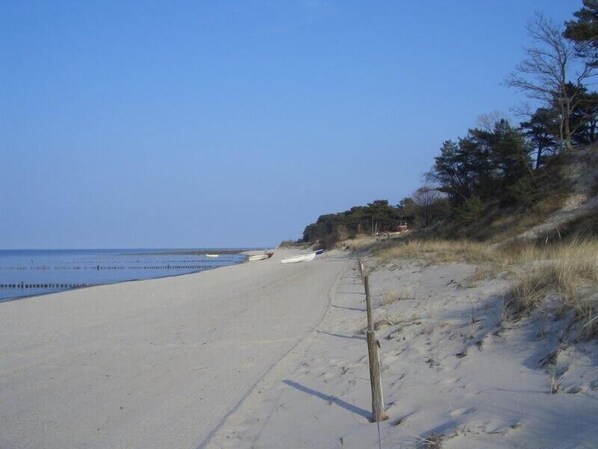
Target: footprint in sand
574,390
491,427
462,411
450,381
450,385
461,354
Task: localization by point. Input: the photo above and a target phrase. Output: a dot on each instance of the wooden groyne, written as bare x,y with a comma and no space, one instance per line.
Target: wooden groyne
45,285
58,285
109,267
72,285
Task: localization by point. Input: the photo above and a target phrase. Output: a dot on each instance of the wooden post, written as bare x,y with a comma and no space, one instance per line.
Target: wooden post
373,346
361,268
375,379
368,303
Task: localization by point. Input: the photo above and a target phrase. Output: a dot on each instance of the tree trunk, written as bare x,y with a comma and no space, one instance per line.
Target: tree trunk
539,156
567,124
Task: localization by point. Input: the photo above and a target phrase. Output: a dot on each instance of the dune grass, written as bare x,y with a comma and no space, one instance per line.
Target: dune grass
569,272
388,297
566,272
435,251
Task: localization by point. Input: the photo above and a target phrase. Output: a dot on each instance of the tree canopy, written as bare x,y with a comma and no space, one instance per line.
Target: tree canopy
483,164
584,31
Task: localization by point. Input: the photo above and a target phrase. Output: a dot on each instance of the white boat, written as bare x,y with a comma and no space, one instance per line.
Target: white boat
260,256
211,255
302,258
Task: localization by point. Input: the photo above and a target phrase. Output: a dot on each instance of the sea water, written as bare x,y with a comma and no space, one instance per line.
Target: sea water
37,272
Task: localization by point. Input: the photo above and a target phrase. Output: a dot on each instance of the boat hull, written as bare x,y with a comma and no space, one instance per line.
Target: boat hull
297,259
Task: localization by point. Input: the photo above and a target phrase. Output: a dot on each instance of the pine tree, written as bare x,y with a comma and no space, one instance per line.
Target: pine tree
584,31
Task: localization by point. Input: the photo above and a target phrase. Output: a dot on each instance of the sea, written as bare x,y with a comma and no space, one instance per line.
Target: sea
38,272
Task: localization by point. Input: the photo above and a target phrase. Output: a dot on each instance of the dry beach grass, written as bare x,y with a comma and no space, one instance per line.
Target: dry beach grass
566,272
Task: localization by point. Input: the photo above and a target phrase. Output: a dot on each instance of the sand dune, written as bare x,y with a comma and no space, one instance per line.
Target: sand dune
453,377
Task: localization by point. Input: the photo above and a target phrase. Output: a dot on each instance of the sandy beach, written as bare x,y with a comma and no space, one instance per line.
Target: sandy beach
453,376
152,364
266,355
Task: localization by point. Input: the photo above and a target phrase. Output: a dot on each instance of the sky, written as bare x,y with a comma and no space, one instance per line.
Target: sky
197,124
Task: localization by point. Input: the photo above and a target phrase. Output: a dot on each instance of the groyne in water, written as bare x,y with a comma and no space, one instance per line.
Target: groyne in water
122,267
29,272
22,285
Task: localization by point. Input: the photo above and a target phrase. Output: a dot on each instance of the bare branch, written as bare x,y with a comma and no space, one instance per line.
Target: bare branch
488,121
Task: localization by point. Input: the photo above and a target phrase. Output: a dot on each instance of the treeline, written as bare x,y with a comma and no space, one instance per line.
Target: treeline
378,217
496,164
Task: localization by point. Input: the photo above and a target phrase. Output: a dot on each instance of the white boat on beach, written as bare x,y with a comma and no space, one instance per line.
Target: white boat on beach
260,256
302,258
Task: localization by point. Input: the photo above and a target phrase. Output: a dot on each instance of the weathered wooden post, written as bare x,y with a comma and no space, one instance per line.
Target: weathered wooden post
373,346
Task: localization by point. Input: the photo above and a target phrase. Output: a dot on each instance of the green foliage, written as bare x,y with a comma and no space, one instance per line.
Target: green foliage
584,117
542,130
483,164
523,192
471,210
378,216
430,206
584,30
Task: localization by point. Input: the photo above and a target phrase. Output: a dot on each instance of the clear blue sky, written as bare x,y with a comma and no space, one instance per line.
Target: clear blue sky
235,123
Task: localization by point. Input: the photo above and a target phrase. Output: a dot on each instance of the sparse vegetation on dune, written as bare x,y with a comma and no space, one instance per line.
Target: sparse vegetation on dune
565,273
436,251
568,273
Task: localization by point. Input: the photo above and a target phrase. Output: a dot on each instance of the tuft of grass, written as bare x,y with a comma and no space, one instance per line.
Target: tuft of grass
432,441
527,293
517,252
481,273
388,297
555,385
568,271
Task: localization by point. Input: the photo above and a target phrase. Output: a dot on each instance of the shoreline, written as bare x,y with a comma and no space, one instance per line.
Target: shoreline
155,363
2,300
132,270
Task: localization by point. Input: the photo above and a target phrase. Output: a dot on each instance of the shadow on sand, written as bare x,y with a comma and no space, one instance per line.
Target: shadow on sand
355,337
330,399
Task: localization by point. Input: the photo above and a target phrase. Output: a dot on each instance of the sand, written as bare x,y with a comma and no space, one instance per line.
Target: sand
265,355
453,377
151,364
